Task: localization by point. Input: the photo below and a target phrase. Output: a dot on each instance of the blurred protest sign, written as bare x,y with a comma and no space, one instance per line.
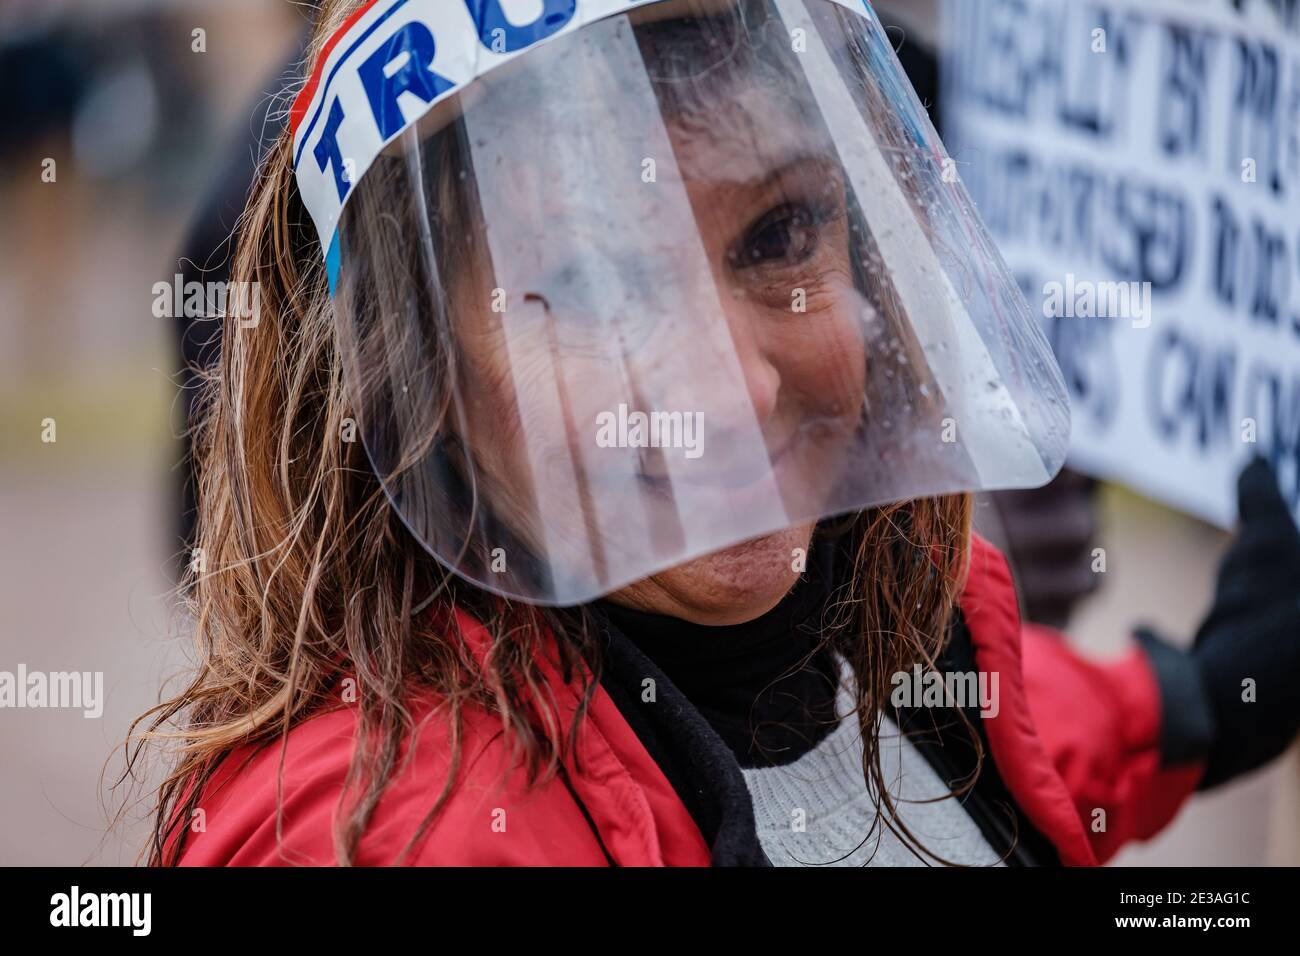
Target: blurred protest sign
1139,163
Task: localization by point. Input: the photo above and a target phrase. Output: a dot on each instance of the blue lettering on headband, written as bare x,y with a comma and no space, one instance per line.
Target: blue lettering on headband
415,75
327,149
415,42
501,36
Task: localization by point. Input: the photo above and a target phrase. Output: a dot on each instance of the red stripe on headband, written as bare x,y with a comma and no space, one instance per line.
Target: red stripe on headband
303,100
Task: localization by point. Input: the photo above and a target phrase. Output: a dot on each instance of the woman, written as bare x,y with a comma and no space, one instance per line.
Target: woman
675,351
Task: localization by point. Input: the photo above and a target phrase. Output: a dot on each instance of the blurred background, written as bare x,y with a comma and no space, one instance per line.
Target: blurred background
139,114
142,105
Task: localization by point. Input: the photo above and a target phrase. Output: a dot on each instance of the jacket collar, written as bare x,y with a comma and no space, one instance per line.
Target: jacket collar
697,762
992,612
661,787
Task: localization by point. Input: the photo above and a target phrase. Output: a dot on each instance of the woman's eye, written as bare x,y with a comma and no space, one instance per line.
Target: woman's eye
784,236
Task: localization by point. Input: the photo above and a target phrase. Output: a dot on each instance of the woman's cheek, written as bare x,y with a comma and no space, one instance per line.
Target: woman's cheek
495,400
558,405
824,349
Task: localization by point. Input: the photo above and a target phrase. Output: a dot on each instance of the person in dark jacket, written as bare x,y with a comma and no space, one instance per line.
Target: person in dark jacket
593,485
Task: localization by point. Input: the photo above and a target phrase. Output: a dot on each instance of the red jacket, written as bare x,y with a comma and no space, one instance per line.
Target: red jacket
1071,738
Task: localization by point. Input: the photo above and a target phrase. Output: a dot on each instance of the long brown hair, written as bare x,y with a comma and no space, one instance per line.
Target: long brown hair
303,569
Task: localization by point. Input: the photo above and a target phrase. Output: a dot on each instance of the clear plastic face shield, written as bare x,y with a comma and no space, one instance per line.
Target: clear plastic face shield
685,276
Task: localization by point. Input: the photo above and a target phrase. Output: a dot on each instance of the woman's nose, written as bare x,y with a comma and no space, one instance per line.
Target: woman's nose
758,366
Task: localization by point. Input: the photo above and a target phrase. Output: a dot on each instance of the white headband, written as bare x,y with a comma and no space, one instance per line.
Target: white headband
391,62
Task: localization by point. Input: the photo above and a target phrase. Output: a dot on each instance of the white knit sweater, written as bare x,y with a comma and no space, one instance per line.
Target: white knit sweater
816,810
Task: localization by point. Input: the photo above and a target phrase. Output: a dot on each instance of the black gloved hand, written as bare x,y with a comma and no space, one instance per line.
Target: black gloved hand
1240,703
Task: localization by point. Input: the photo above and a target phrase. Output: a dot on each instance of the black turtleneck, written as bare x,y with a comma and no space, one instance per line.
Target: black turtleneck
767,687
764,693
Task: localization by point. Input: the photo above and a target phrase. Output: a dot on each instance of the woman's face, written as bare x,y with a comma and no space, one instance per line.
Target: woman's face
736,308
